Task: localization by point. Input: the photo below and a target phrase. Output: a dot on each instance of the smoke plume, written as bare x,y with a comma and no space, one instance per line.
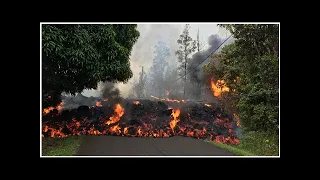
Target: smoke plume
110,93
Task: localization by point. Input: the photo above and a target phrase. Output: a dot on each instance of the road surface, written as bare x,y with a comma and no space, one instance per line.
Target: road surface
143,146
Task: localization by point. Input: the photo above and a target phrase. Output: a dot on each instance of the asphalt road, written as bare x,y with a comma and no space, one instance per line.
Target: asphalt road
143,146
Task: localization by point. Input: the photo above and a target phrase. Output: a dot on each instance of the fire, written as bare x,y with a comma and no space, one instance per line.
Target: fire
208,105
55,132
116,130
224,140
93,131
98,104
148,125
175,114
167,93
58,107
237,119
136,102
218,88
47,110
119,111
125,130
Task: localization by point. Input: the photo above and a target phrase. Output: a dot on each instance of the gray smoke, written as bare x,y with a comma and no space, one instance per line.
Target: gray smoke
110,93
142,57
143,51
196,73
73,102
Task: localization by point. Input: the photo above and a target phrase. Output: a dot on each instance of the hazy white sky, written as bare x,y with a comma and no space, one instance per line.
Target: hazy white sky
150,34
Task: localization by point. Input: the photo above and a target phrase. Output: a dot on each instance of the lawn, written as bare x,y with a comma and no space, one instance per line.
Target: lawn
254,144
61,147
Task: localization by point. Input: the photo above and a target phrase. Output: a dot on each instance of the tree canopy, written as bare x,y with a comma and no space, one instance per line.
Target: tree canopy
77,57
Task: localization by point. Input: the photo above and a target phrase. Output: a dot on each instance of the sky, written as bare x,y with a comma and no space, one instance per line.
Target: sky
150,34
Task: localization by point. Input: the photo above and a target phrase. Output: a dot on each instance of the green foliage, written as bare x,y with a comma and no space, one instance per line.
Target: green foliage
260,143
61,147
77,57
234,149
254,143
250,67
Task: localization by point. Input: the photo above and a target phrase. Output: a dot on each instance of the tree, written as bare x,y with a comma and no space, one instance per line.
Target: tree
250,67
158,68
77,57
186,47
171,74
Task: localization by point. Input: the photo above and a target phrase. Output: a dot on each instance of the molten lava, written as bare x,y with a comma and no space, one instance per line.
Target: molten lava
58,107
98,104
175,114
167,99
119,111
237,119
144,123
136,102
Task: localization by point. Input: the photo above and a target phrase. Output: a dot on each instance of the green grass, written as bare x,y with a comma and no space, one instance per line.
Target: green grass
60,147
254,144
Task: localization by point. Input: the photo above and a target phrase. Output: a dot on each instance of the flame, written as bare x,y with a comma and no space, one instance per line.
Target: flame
224,140
218,88
93,131
167,93
125,130
175,114
147,128
98,104
119,111
208,105
115,129
136,102
237,119
58,107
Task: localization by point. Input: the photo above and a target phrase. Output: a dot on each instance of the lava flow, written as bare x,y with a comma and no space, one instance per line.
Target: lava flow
58,107
167,99
143,118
